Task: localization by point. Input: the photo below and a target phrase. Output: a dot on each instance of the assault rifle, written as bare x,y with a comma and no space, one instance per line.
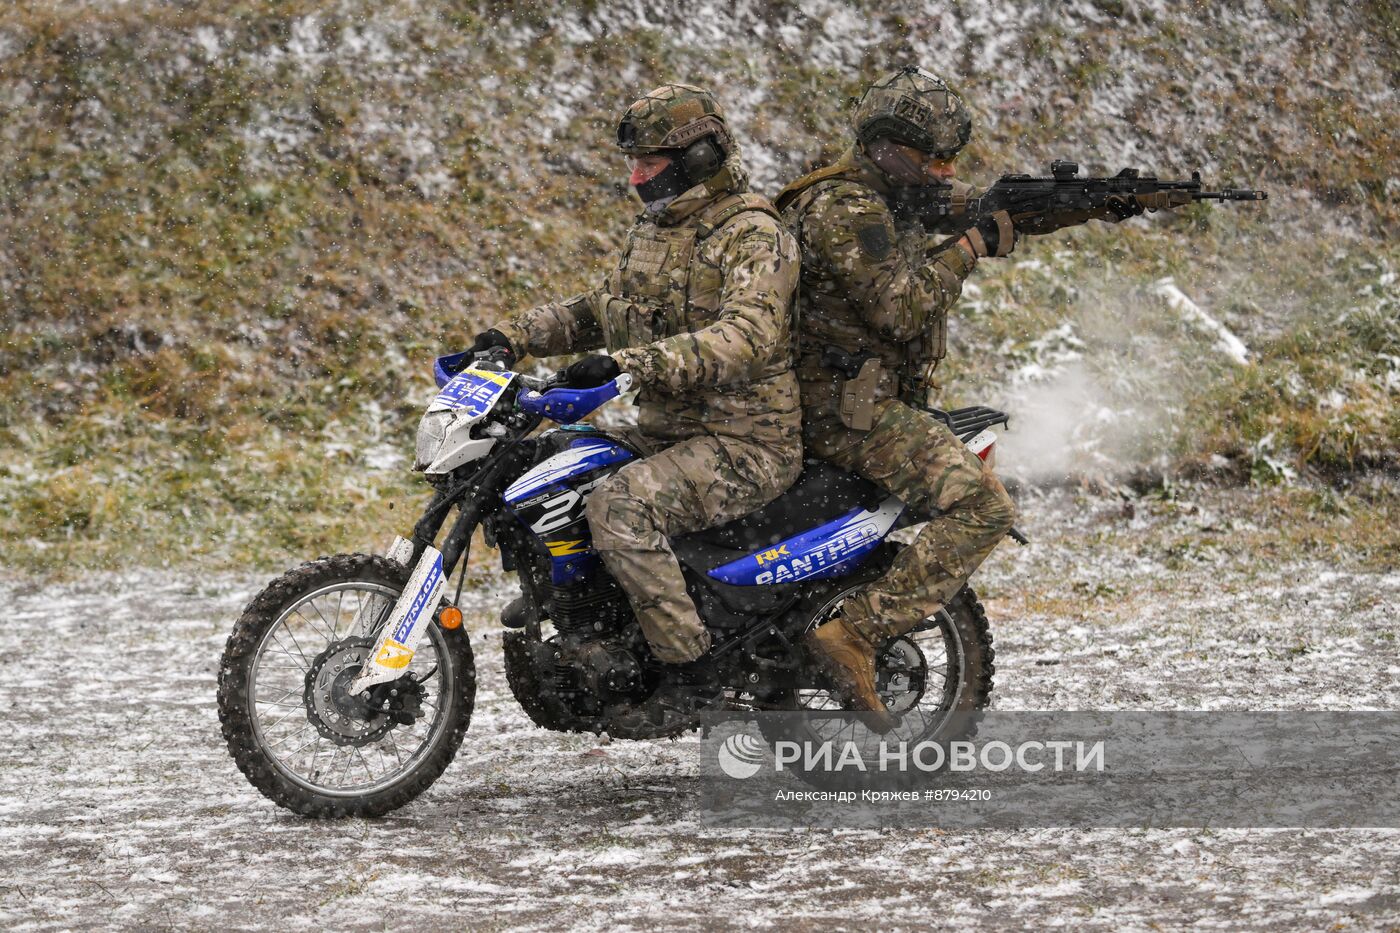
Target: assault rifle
1041,204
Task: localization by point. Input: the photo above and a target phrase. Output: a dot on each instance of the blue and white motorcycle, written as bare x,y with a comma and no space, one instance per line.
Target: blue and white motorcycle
348,683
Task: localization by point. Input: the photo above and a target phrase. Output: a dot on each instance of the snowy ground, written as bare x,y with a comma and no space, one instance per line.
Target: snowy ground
121,807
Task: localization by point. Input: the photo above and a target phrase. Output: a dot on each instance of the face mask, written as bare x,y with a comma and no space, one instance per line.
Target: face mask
895,162
663,187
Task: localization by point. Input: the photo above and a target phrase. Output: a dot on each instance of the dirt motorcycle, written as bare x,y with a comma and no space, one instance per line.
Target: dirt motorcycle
348,683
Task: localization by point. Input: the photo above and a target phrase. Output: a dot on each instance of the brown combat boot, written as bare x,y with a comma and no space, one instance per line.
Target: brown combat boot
849,660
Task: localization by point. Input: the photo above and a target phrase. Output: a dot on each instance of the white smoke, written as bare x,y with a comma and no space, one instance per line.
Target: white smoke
1103,394
1063,425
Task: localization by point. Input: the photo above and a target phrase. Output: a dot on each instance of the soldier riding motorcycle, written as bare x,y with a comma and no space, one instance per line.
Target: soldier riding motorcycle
879,275
661,573
873,306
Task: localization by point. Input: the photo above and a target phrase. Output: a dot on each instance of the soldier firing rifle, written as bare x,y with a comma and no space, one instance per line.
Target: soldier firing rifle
876,289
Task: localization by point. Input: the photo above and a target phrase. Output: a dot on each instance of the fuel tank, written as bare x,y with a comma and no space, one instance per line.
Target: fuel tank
549,500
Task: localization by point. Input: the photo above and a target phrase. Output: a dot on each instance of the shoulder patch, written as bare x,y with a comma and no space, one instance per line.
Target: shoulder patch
875,241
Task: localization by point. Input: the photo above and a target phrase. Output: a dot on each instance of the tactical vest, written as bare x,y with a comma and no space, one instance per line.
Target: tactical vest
668,282
827,319
658,290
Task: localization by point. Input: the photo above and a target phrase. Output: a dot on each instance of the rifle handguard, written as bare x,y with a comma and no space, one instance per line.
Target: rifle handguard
1163,200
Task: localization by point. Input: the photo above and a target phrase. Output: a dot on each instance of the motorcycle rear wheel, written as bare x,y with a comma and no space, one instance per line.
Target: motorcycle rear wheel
957,671
954,680
277,729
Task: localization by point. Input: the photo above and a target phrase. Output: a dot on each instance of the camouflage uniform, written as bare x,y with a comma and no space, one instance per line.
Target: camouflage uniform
698,310
868,284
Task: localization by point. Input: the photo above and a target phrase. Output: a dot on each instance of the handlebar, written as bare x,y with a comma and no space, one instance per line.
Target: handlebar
535,384
548,398
564,405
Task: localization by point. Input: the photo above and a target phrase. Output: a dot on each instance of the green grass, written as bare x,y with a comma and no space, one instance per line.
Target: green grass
223,280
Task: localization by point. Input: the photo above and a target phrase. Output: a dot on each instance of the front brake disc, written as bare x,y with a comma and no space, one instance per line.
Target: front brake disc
330,708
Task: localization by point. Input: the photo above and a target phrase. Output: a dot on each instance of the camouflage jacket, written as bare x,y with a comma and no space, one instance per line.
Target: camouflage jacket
867,284
698,310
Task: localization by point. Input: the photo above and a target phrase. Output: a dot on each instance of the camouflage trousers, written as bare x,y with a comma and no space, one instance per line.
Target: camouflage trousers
916,458
697,483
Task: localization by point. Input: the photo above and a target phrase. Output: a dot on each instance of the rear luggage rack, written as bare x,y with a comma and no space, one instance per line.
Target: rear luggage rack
969,422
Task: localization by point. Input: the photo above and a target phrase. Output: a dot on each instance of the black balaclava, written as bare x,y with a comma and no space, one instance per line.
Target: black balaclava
665,186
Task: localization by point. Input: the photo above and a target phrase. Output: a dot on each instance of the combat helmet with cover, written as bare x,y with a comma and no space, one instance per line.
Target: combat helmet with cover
680,118
914,108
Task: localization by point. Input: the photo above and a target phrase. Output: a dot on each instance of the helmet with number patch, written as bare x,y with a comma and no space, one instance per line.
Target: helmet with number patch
916,109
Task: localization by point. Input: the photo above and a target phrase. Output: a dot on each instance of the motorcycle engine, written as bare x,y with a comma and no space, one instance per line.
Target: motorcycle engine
597,607
587,675
608,669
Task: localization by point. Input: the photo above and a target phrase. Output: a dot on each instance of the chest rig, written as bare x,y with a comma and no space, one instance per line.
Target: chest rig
659,288
830,318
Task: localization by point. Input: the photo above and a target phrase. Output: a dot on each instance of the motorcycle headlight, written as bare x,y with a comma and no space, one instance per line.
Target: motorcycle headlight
432,437
448,439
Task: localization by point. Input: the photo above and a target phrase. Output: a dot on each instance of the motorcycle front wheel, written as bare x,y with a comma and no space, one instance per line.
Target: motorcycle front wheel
292,727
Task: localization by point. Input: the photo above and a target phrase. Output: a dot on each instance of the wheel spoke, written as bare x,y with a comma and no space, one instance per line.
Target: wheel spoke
378,621
277,640
292,635
339,614
360,753
307,745
320,631
330,628
273,725
280,696
290,735
383,759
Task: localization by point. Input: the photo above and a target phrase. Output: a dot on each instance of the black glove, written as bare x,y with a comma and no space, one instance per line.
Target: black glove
1121,207
994,235
590,372
489,340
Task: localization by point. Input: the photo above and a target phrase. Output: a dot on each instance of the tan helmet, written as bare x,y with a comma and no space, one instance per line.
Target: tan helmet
678,117
915,108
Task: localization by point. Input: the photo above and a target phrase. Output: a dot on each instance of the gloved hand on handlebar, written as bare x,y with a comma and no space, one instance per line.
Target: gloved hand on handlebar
590,372
489,340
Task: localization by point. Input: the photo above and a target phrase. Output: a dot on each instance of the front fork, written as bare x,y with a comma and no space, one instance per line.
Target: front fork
397,638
